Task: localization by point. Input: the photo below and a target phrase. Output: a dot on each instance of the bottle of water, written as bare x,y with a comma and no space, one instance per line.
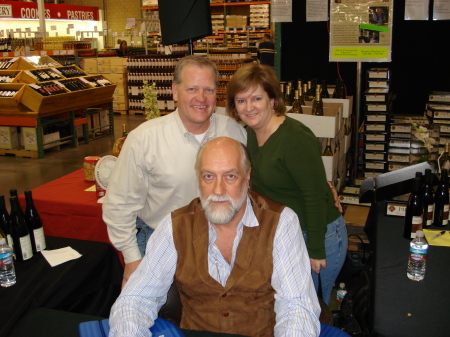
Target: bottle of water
417,257
7,273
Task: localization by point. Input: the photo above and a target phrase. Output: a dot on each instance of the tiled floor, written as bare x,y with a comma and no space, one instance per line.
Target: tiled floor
26,173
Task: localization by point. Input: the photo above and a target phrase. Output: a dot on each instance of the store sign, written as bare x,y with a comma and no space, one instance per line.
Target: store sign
29,10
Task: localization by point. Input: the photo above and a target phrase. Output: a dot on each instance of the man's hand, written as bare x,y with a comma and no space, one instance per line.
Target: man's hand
337,201
129,269
316,265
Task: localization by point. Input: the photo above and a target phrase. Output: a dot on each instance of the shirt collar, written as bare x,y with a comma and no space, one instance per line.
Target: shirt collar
210,133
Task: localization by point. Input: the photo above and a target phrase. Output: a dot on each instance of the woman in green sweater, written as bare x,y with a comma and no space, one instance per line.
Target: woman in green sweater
287,167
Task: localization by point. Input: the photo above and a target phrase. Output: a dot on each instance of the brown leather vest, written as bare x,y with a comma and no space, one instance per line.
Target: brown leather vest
246,304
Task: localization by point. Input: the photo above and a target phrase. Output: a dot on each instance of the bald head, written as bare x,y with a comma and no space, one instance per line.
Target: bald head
221,144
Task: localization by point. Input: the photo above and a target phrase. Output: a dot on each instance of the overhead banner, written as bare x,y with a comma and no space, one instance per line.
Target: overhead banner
361,31
29,10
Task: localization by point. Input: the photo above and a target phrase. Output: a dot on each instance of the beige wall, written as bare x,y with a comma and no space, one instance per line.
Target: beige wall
116,13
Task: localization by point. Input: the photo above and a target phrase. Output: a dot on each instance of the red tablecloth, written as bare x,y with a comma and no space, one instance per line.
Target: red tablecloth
68,210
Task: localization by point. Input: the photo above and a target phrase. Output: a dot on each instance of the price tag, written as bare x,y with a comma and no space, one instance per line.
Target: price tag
71,52
43,52
56,52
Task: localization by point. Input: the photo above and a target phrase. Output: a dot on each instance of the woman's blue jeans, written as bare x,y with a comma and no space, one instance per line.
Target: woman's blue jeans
336,243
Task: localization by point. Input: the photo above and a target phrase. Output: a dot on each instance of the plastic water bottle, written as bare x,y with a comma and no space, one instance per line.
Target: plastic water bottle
7,273
340,294
417,257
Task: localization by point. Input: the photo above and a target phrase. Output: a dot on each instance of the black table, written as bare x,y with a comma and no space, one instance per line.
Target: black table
88,285
402,307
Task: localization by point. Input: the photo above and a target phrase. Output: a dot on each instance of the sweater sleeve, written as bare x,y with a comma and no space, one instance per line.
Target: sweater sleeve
304,163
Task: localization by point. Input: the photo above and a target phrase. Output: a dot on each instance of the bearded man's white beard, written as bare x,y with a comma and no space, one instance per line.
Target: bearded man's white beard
222,214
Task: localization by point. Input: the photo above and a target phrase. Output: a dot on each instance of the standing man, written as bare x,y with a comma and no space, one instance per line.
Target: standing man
154,174
266,51
239,260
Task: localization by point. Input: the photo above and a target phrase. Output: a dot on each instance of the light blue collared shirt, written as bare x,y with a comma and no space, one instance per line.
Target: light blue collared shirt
296,305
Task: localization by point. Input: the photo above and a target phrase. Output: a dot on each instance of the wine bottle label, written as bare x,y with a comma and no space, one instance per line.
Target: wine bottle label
416,220
445,215
429,215
39,239
27,250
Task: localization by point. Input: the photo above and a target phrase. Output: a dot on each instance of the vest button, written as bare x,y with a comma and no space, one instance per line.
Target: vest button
226,314
224,295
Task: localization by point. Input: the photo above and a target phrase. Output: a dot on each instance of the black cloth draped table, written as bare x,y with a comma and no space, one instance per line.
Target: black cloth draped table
88,285
402,307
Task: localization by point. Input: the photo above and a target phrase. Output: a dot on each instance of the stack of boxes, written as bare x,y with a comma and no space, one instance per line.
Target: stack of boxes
217,22
438,113
259,16
376,122
330,126
115,69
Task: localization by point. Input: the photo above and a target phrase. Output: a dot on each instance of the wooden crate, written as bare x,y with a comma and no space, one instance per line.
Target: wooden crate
8,103
68,101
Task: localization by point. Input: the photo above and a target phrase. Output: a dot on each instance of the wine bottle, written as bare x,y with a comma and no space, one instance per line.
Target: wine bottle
414,211
427,193
324,91
296,106
309,91
444,160
5,221
317,108
441,201
328,151
34,224
19,232
287,100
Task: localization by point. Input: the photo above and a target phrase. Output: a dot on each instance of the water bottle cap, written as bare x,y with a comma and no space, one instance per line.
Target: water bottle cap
419,234
2,241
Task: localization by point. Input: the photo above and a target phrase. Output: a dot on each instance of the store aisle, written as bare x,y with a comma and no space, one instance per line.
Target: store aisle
27,173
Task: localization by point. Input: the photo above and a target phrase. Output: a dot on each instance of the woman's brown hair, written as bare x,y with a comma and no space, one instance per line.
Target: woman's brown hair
251,75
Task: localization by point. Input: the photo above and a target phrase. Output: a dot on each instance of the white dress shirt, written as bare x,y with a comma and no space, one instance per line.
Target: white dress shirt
296,305
154,175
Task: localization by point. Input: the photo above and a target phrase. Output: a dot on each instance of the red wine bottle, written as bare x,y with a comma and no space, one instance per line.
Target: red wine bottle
34,224
414,211
441,201
427,193
21,237
5,221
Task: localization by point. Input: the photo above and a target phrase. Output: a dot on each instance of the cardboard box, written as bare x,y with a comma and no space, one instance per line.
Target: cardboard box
119,79
120,106
29,139
8,137
121,90
90,65
347,104
330,166
117,69
103,69
117,61
103,61
120,99
236,21
326,126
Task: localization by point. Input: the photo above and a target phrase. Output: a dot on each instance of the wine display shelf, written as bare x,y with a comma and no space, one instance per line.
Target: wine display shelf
32,111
